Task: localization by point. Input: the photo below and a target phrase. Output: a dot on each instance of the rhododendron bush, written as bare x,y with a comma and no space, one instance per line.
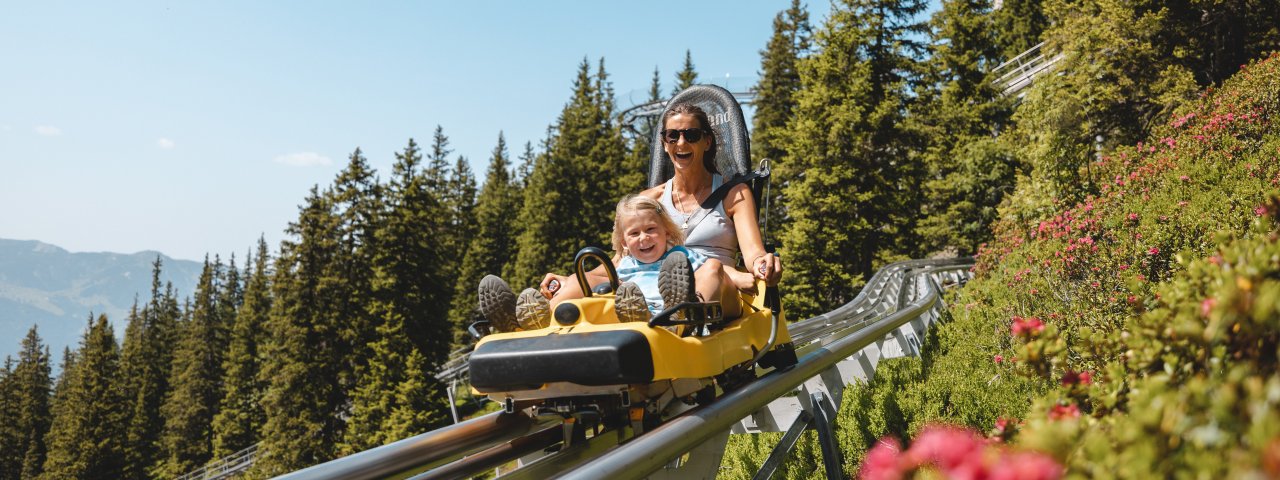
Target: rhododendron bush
1132,333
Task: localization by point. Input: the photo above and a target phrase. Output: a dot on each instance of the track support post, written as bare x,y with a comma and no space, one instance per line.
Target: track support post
784,447
824,419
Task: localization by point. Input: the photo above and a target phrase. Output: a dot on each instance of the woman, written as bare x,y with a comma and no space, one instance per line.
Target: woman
719,233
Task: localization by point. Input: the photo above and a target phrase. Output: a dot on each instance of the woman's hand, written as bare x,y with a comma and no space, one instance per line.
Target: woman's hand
767,267
552,284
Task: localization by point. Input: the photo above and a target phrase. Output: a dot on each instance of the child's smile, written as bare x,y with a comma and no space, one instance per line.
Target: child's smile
644,236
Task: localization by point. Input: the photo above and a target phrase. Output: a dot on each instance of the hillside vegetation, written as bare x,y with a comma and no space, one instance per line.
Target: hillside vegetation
1142,321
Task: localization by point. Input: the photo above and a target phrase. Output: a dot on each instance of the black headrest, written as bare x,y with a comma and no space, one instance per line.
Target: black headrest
730,126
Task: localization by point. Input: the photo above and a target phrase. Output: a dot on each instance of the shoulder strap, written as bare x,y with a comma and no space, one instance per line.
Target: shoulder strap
718,194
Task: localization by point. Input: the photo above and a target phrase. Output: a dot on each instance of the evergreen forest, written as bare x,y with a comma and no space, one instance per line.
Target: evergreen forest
1124,210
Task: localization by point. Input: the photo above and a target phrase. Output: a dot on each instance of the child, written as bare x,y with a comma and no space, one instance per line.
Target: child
655,270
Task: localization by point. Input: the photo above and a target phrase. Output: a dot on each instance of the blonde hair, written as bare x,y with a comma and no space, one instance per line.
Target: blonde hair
635,204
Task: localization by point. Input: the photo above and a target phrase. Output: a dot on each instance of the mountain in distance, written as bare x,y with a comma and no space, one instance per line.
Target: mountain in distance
47,286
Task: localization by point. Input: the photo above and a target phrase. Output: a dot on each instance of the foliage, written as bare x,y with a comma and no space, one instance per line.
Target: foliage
774,100
1121,313
87,430
240,415
25,415
968,169
687,76
846,161
187,437
493,241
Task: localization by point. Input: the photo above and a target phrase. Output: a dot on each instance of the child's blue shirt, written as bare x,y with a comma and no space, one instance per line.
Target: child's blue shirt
645,275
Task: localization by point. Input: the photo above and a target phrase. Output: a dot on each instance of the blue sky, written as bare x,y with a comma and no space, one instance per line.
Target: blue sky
194,127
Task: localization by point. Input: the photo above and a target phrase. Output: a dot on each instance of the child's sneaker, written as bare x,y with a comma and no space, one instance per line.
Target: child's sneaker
498,304
630,305
533,311
675,280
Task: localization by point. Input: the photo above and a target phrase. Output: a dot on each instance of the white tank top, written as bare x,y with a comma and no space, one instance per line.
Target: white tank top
714,235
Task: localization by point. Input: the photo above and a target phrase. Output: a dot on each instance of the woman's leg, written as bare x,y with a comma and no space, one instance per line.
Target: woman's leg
714,285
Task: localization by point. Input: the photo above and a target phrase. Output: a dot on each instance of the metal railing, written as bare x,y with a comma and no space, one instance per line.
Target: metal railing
225,467
1019,72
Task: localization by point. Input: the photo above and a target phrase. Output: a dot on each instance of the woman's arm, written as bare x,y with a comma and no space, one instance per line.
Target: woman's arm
741,206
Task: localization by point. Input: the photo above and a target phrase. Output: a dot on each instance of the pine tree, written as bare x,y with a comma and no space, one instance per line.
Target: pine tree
960,111
186,441
411,294
359,203
147,362
565,207
88,430
28,390
1018,24
687,76
240,416
774,101
492,244
525,168
633,175
460,203
847,150
304,348
10,434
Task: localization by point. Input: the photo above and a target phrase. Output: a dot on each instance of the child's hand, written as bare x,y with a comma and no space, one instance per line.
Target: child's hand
551,284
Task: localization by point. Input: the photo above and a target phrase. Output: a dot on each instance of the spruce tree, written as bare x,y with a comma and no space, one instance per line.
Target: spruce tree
849,182
633,175
774,100
358,202
960,111
493,242
303,354
565,207
187,440
87,432
10,434
147,363
28,389
525,168
687,76
411,293
1018,24
240,417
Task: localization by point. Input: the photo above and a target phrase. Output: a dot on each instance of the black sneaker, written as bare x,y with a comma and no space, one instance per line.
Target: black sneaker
533,311
498,304
630,304
675,281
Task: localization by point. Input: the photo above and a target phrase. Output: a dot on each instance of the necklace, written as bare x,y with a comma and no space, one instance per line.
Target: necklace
680,207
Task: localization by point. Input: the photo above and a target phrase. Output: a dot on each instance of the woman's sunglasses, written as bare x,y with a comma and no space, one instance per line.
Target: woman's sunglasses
691,135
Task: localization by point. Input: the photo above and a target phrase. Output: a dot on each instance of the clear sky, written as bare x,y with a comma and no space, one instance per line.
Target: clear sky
194,127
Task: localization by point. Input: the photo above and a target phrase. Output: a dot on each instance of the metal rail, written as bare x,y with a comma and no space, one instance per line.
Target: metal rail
885,320
1019,72
656,449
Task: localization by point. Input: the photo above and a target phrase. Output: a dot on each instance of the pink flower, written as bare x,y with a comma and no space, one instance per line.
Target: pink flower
1026,327
1153,251
1260,210
1206,307
999,359
1184,178
884,461
948,448
1133,217
1068,411
1072,377
1026,466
